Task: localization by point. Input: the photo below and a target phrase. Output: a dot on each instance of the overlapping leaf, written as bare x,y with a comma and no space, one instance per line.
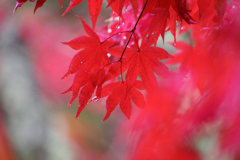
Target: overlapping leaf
19,3
88,61
120,93
117,6
143,61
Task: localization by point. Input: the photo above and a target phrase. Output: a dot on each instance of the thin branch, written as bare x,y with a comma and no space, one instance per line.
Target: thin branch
133,30
115,35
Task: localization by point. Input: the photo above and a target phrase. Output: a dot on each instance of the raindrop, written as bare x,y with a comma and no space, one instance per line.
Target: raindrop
123,23
183,27
118,26
124,37
109,30
95,99
109,55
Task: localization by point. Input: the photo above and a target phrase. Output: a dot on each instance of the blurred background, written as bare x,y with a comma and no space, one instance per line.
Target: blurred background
35,123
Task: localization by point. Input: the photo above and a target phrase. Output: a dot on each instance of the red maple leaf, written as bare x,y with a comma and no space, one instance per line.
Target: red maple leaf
91,58
93,5
21,2
164,14
144,61
117,6
94,10
158,24
119,92
86,92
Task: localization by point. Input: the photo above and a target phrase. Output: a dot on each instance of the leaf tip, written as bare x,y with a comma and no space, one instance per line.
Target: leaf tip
68,90
94,99
70,103
80,108
65,76
17,5
128,117
60,1
106,116
171,56
35,9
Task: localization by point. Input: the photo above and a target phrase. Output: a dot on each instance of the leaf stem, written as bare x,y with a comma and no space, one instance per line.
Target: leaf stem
136,42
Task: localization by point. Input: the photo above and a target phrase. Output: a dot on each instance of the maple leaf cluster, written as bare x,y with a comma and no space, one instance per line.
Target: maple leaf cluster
123,62
103,58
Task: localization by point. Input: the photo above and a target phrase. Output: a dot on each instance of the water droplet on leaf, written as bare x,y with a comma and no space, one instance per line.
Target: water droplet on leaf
95,99
183,27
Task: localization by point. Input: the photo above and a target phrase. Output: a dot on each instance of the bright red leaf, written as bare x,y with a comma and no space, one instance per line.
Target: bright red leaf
117,6
119,92
143,61
94,10
89,60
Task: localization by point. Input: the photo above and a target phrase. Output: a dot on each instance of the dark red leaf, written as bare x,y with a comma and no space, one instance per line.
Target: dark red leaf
39,4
